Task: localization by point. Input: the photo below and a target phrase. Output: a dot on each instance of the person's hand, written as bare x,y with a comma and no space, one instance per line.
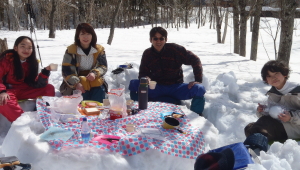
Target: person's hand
3,98
91,76
191,84
285,117
149,79
260,107
79,86
48,68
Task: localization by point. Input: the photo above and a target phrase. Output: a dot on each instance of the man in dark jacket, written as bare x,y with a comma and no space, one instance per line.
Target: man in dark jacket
162,62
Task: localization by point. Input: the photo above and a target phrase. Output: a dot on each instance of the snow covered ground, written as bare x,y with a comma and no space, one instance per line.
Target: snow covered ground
233,83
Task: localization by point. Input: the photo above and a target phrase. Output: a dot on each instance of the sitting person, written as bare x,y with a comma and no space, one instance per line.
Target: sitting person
163,63
19,78
282,93
84,66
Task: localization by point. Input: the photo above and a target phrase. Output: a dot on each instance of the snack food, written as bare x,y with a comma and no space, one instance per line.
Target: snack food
91,104
91,111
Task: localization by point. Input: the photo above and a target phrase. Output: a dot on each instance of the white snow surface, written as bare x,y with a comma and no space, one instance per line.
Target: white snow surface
233,83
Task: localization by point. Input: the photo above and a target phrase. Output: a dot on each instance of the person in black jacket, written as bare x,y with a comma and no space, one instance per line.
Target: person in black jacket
162,62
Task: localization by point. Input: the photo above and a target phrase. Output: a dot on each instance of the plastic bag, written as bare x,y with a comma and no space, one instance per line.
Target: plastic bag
65,104
117,103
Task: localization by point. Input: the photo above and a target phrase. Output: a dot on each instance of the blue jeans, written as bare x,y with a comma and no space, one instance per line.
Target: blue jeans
178,91
95,94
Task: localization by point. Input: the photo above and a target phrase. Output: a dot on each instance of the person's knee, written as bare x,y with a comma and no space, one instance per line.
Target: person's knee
247,129
134,85
49,90
198,90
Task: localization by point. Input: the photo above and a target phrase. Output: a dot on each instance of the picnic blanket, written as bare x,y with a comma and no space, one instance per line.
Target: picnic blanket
188,145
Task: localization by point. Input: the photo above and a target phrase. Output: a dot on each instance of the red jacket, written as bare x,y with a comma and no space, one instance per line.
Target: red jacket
8,80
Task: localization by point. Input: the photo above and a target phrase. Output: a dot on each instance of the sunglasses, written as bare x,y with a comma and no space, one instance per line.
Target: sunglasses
161,39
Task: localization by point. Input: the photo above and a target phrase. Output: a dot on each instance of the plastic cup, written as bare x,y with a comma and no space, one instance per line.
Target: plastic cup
106,102
152,84
53,67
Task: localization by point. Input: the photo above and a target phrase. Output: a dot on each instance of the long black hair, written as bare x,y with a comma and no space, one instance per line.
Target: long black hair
32,61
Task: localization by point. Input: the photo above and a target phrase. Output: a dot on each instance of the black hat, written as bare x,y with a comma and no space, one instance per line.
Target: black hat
223,160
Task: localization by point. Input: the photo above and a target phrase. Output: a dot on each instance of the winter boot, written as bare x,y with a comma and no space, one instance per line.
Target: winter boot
197,105
257,142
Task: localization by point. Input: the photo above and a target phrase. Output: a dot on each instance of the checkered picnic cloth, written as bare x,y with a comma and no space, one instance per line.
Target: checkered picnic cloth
188,145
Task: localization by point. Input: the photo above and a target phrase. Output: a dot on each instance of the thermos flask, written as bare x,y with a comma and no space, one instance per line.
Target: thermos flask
143,93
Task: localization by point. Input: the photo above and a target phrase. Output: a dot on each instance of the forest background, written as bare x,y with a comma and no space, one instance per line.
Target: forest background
55,15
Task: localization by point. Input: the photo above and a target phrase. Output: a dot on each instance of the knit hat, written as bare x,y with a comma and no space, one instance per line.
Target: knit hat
223,160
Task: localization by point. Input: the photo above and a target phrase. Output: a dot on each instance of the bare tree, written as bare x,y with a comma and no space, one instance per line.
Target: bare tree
243,27
269,30
236,27
2,13
255,29
52,28
218,20
287,16
225,26
113,20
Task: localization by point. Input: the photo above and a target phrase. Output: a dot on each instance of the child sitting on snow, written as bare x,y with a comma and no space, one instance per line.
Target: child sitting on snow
282,93
19,78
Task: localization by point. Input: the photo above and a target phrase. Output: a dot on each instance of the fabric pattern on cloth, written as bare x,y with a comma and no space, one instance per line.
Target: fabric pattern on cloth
86,61
188,145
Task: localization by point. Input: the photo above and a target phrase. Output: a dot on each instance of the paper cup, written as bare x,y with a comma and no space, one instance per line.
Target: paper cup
152,84
130,127
106,102
53,67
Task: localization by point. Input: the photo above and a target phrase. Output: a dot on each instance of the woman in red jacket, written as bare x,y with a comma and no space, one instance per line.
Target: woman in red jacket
19,78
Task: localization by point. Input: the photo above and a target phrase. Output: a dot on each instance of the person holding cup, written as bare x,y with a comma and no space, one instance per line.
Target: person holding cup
162,63
20,79
84,65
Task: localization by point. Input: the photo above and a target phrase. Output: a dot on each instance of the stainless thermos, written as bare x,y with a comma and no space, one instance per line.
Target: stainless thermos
143,93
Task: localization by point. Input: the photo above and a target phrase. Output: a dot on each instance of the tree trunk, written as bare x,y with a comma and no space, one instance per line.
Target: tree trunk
255,30
2,14
15,18
3,45
51,19
186,14
82,11
225,26
89,12
288,8
218,22
236,27
243,28
112,25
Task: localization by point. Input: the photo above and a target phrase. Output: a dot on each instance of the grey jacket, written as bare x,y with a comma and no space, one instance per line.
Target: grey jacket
291,102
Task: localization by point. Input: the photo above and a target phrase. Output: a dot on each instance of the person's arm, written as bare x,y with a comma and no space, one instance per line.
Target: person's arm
42,78
3,95
144,70
293,117
100,68
190,58
3,72
69,71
